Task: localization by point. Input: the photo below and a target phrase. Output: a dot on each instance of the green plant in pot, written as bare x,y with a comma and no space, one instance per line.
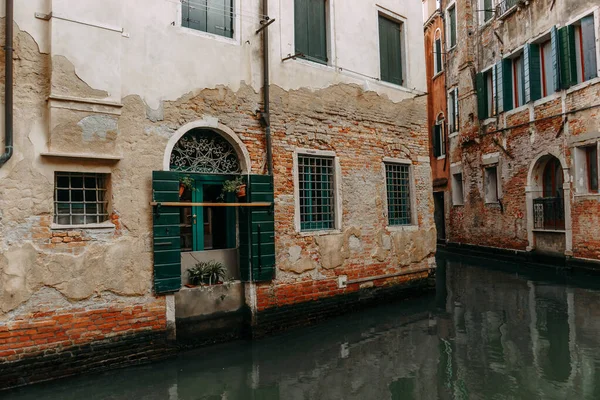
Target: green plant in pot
236,186
207,272
185,182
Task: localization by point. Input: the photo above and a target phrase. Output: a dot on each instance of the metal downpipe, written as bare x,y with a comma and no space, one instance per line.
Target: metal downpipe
8,84
266,91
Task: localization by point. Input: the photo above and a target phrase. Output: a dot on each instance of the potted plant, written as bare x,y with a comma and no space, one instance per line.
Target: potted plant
236,186
207,272
185,182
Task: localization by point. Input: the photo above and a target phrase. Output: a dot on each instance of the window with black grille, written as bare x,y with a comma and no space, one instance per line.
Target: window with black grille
316,190
398,194
80,198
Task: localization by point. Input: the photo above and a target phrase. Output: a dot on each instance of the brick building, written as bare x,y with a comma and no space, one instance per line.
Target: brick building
524,163
130,117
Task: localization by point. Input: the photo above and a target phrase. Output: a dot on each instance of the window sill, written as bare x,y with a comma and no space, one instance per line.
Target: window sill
488,121
492,204
206,35
320,233
453,135
441,157
582,85
549,230
402,228
458,205
311,63
587,196
517,110
437,75
102,225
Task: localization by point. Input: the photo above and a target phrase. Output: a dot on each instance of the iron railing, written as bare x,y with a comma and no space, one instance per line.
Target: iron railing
549,213
506,5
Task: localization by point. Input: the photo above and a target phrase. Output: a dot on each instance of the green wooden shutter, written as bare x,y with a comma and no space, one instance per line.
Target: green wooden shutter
554,43
219,17
452,15
301,26
166,244
489,12
482,109
567,57
390,51
438,55
507,87
589,48
435,142
257,232
531,59
499,87
310,29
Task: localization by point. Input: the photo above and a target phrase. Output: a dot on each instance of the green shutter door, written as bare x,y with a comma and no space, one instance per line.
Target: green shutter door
554,42
481,97
498,85
438,55
166,244
589,48
452,15
257,232
435,140
390,51
567,57
317,36
507,87
531,59
301,26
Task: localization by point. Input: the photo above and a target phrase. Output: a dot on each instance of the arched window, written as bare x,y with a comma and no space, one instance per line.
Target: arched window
553,179
204,151
439,137
437,52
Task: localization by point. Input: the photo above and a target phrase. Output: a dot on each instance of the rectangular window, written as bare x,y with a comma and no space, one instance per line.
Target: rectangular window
80,198
488,10
457,190
547,73
398,194
437,56
317,193
518,81
452,26
591,163
439,139
390,50
490,93
491,184
486,93
453,111
310,29
212,16
585,49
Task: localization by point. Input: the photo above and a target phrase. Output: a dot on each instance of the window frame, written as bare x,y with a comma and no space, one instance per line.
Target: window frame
588,161
449,36
458,197
337,192
441,140
438,61
102,210
482,11
327,40
496,198
403,53
453,112
412,198
236,26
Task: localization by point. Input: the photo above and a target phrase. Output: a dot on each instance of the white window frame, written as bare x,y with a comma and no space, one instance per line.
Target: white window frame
404,54
236,24
414,222
458,197
439,121
492,161
481,12
438,68
337,191
580,166
453,113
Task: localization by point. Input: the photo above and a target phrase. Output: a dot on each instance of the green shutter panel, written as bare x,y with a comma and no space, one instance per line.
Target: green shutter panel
435,134
383,50
390,51
481,97
301,26
499,88
531,59
554,42
317,36
590,65
438,54
568,61
257,232
166,243
453,27
507,88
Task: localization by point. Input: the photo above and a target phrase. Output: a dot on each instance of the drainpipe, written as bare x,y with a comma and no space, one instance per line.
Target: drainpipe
266,117
8,85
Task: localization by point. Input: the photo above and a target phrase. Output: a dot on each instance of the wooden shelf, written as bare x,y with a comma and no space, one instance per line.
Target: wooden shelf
187,204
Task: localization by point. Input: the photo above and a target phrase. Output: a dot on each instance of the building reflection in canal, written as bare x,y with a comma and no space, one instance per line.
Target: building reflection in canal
490,331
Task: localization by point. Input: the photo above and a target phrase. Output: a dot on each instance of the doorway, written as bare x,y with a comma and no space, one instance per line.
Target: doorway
439,216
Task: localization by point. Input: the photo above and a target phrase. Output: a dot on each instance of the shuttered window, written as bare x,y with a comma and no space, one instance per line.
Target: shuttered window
390,50
546,72
486,94
453,111
310,29
437,56
452,27
212,16
518,81
531,58
488,10
585,49
438,139
567,57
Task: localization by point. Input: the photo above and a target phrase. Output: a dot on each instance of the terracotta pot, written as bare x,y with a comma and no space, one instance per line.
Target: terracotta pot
181,189
241,191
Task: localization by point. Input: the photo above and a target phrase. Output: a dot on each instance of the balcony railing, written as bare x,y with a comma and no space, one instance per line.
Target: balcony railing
506,5
549,213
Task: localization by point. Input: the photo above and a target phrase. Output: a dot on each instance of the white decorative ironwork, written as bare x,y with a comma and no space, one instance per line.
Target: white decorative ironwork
204,151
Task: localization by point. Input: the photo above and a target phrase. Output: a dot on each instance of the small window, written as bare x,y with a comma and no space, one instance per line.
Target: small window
317,193
490,100
437,54
80,199
453,111
491,184
518,81
390,51
457,190
451,26
591,164
487,10
439,138
212,16
547,73
398,194
310,29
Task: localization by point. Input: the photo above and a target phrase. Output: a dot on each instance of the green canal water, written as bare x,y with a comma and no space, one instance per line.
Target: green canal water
491,331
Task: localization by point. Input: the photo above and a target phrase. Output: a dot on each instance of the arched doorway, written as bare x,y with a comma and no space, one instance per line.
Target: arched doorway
546,193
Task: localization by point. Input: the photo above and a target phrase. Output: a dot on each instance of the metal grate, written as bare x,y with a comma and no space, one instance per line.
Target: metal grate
315,179
80,198
398,193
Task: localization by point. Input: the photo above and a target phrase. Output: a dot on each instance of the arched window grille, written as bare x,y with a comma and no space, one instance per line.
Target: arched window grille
204,151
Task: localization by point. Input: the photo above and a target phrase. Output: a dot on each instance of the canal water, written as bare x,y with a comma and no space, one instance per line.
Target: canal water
491,331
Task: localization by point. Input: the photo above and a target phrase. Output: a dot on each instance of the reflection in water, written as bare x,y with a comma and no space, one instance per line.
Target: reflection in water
492,331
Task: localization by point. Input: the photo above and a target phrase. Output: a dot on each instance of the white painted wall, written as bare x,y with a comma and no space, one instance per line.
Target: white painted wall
157,59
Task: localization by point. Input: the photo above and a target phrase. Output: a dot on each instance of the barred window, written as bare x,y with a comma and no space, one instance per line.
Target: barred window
80,198
398,194
316,189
